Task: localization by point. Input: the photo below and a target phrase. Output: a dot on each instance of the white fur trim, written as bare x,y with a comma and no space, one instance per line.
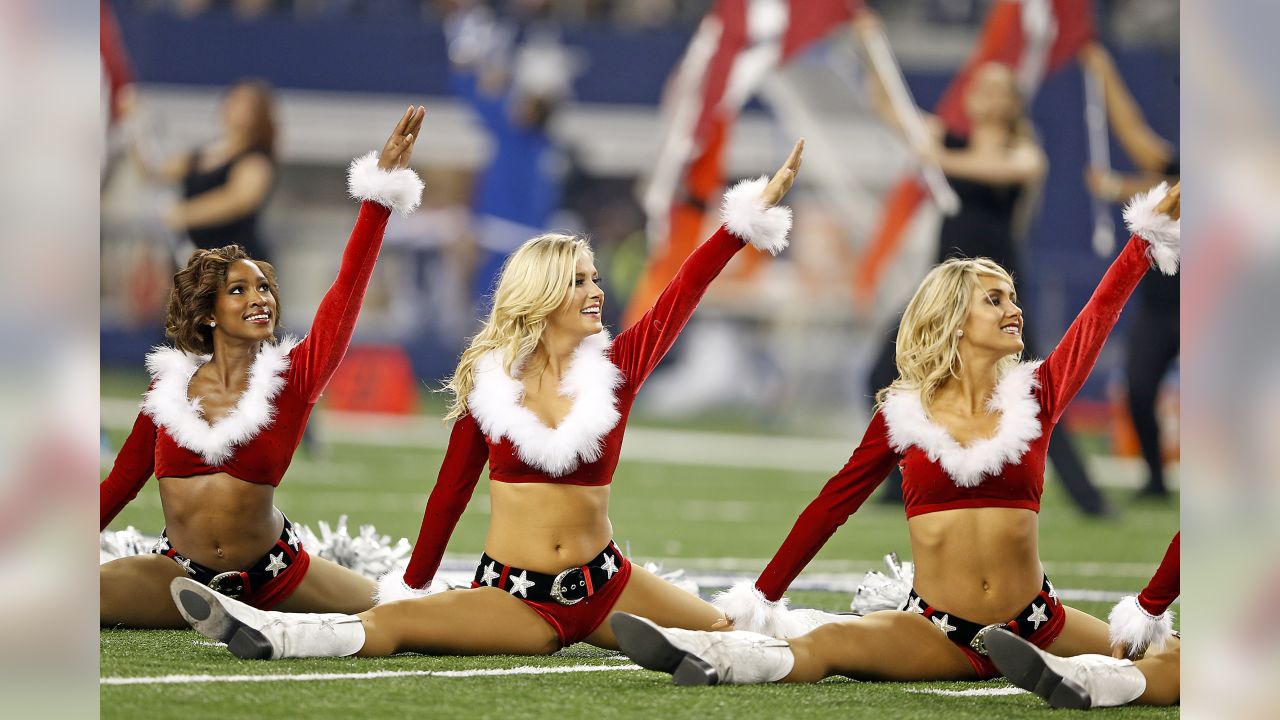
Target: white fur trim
1162,233
400,190
590,381
392,587
749,610
167,404
1137,629
1019,424
746,217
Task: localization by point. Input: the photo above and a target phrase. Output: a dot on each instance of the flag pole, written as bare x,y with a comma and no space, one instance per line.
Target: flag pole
1095,117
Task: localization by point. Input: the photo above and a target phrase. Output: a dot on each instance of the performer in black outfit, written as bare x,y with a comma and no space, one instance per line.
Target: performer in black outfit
992,172
1154,339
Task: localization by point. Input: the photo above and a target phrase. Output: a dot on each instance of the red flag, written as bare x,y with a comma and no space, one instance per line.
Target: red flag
1035,38
116,71
746,48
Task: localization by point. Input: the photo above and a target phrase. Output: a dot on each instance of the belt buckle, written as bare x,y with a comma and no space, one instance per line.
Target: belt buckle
231,591
557,588
979,643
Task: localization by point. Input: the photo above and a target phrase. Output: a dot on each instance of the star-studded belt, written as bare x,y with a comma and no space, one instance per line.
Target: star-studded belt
568,587
238,583
1042,611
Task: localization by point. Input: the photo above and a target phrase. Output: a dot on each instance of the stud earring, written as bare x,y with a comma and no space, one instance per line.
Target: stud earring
959,333
213,323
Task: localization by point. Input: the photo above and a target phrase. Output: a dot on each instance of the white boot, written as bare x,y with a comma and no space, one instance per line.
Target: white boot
703,658
1079,682
265,635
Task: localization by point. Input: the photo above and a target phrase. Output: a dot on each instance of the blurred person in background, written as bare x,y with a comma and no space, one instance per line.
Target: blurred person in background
515,95
225,184
1154,337
969,424
226,409
1141,630
542,395
996,171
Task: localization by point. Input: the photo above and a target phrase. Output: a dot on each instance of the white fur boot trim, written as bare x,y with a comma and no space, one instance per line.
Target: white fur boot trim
1162,233
400,190
1136,629
263,634
747,218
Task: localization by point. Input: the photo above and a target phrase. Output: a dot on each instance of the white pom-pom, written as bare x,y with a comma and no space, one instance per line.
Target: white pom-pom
1137,629
675,577
747,218
115,544
1162,233
368,553
400,190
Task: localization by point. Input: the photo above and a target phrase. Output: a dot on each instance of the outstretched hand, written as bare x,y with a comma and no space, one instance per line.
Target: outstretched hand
1171,203
784,178
399,148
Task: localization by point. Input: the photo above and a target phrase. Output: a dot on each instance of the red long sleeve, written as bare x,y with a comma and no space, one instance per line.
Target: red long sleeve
1068,366
132,469
316,358
840,497
463,460
638,349
1164,588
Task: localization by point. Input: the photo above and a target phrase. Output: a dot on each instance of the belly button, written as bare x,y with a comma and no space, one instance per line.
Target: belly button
218,551
985,586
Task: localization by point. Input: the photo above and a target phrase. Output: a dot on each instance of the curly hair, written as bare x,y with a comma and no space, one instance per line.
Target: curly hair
195,288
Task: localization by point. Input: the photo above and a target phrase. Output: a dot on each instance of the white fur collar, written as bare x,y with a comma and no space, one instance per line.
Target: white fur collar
167,403
1019,424
590,381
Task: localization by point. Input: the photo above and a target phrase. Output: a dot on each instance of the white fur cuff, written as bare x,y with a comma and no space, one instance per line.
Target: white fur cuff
400,190
392,587
1162,233
1138,629
747,218
749,610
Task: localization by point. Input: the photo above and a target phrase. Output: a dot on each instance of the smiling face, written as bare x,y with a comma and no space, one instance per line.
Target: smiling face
994,322
245,307
579,314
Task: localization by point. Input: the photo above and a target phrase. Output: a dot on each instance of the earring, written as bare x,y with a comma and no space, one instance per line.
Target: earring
213,323
959,333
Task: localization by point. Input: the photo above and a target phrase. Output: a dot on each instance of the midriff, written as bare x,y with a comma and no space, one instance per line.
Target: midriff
219,520
547,527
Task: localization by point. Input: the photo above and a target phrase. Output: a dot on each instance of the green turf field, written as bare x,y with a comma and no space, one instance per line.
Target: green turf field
683,516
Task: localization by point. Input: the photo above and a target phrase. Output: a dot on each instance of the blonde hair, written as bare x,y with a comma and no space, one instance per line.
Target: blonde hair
928,353
535,280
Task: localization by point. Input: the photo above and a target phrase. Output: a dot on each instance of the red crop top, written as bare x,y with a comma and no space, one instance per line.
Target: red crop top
603,379
256,440
1006,470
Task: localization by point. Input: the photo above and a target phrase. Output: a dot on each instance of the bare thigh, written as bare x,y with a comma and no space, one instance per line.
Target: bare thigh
134,592
886,645
480,621
1163,673
329,587
651,597
1081,634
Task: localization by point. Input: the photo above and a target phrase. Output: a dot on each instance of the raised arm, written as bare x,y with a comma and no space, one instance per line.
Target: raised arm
749,213
463,461
133,467
1152,217
384,183
840,497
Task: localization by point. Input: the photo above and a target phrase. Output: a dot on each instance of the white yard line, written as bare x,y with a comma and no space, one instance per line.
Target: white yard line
975,692
643,444
376,675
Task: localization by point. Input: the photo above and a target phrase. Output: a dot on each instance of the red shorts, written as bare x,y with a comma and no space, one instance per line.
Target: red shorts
573,623
264,585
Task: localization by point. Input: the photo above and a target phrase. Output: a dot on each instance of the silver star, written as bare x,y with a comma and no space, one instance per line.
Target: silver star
520,583
186,565
1037,615
1053,593
609,567
943,623
276,565
292,539
489,575
162,545
913,605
